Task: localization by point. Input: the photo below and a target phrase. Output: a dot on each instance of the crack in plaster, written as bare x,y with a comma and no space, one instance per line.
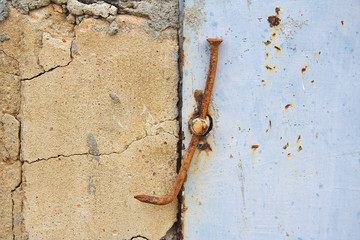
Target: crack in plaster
90,154
40,74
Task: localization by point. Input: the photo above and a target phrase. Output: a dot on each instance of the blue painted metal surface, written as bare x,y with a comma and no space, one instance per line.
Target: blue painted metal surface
285,159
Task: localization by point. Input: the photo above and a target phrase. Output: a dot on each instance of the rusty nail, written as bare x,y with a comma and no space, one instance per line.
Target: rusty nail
214,51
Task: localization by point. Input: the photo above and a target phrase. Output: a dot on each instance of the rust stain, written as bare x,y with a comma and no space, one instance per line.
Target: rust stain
63,40
289,155
270,124
273,35
298,140
269,68
204,147
342,23
254,148
286,146
267,55
198,95
299,148
263,82
287,106
277,11
277,48
267,43
274,21
303,70
312,81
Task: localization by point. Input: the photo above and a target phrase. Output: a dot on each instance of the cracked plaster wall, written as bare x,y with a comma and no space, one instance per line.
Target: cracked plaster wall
88,98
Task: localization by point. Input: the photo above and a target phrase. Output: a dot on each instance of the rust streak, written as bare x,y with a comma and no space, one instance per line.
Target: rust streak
342,23
254,147
303,70
277,48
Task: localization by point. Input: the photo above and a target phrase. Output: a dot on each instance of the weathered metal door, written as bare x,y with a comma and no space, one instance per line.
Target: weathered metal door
282,160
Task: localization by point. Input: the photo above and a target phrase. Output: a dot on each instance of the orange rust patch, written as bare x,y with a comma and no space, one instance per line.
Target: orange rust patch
312,81
303,69
289,154
63,40
299,138
274,20
267,43
300,148
254,147
287,106
268,67
267,55
342,23
286,146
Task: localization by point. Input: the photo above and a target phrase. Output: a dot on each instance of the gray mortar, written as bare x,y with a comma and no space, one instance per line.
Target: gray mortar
3,10
4,37
114,97
113,30
92,144
101,9
161,14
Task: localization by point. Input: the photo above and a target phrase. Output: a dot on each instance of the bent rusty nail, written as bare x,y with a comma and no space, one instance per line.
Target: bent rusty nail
214,50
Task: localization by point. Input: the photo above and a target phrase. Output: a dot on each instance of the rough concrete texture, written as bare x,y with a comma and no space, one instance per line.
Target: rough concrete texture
26,37
9,138
79,197
97,102
54,52
63,107
10,177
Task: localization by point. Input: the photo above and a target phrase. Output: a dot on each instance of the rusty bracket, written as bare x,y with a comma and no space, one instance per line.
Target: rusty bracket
198,130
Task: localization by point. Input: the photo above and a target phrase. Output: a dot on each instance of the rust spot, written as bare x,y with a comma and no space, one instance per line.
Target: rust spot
280,138
267,55
312,81
198,95
298,140
277,48
267,43
289,154
294,95
287,106
63,40
268,67
277,11
342,23
204,147
303,70
267,130
165,142
273,35
270,124
274,21
300,148
263,82
254,147
319,52
286,146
